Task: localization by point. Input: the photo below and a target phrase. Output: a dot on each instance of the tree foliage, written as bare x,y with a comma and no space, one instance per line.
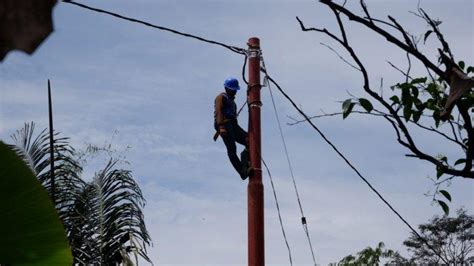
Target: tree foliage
103,218
453,237
440,103
369,256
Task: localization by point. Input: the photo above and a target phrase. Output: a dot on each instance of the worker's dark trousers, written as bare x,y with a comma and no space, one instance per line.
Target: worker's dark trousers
234,134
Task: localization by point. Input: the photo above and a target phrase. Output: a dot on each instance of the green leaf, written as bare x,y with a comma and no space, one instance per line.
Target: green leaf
461,64
419,105
416,116
366,104
30,229
460,161
426,35
469,69
407,113
445,194
444,206
418,80
439,173
348,110
415,92
347,106
395,99
405,86
406,97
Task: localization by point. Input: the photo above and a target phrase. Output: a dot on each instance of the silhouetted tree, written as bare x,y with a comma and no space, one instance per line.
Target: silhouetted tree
416,103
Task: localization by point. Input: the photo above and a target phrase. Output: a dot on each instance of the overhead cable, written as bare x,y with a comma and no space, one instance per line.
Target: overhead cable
230,47
278,210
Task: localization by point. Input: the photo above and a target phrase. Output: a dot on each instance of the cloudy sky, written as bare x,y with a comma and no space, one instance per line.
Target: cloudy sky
150,94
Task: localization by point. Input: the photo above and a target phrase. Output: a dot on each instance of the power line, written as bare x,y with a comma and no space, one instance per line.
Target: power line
278,210
230,47
349,163
303,218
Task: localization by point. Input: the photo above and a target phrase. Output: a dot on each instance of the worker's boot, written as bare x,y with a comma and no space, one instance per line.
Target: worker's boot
246,170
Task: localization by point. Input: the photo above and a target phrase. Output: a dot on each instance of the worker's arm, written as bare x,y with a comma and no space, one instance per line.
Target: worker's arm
219,104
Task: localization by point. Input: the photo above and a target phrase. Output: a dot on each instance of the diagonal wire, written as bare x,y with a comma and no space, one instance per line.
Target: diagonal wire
303,218
278,209
351,165
230,47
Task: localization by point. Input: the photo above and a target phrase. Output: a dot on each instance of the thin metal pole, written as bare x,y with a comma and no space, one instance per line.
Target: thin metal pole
256,239
51,143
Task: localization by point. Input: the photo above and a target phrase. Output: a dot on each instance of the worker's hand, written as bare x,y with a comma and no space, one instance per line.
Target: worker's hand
222,131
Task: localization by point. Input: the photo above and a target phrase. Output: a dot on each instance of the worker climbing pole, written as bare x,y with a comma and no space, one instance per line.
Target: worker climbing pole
256,250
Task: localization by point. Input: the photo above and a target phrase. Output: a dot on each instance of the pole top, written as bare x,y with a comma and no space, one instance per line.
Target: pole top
254,42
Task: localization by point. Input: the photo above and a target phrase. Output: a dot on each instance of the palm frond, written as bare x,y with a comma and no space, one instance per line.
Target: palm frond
34,149
113,208
103,219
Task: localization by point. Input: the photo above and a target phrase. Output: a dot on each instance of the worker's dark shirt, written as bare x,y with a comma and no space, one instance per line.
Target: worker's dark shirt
224,109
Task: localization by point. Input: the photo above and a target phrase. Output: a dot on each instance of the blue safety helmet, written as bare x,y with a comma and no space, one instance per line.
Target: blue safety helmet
232,84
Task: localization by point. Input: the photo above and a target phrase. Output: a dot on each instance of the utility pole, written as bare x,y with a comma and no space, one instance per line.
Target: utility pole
256,239
51,143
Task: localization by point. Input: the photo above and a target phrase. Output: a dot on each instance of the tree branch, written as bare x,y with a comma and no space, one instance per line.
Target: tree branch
387,35
410,49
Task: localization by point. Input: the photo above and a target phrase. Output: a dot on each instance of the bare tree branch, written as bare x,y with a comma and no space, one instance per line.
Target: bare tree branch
342,58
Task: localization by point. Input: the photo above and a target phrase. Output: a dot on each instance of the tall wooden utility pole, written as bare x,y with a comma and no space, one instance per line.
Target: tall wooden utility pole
51,142
256,248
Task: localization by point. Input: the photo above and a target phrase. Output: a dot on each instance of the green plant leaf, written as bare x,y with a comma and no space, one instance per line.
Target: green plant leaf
415,92
416,116
405,86
407,113
444,206
461,64
469,69
418,80
439,173
395,99
406,97
445,194
366,104
460,161
347,107
30,229
419,105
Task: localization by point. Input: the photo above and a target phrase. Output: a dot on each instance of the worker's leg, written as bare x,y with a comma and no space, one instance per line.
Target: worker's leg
229,141
241,136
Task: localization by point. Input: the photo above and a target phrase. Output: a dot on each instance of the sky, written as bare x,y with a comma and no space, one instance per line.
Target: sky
150,94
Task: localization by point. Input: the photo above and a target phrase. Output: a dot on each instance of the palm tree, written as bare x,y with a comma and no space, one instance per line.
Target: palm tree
103,218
